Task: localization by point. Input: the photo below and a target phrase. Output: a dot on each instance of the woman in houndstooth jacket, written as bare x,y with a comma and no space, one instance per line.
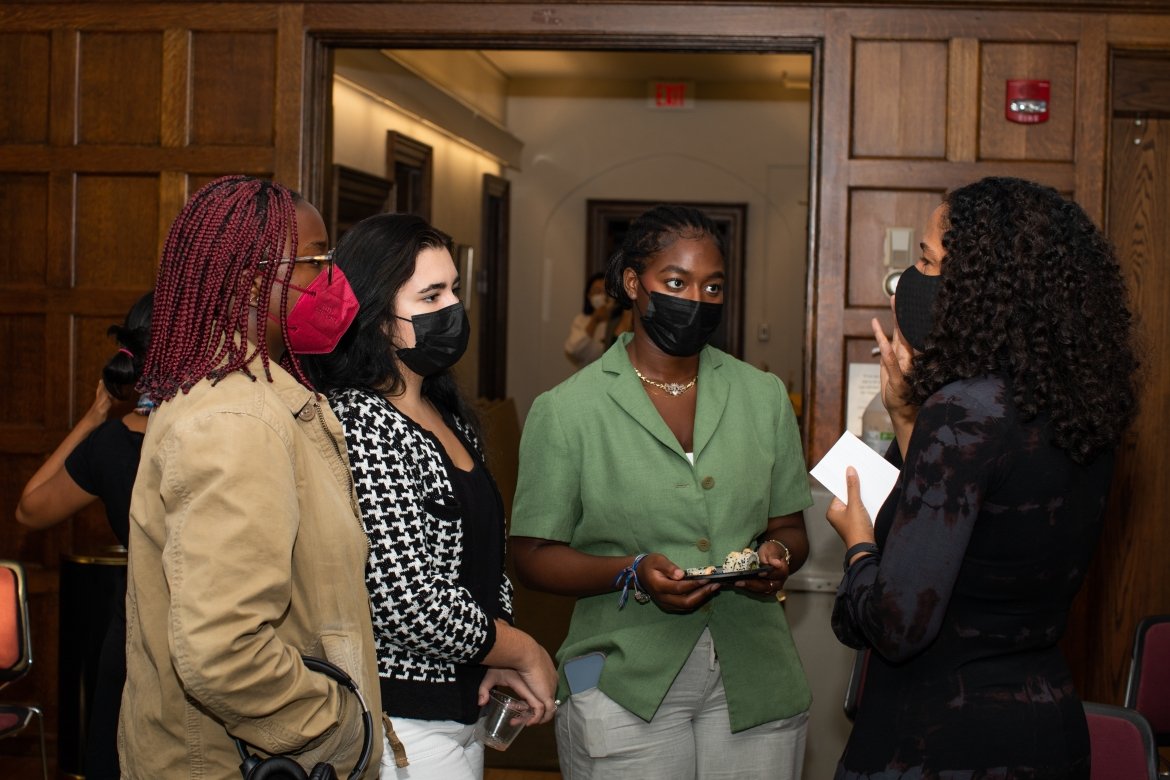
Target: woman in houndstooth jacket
441,601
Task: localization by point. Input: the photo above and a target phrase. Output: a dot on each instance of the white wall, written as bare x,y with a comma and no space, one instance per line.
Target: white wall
577,148
360,123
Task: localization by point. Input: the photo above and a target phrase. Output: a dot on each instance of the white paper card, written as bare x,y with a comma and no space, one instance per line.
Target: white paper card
877,474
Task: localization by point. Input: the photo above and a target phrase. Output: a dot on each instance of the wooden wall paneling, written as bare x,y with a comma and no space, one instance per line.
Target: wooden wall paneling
1138,30
175,129
233,84
172,196
1092,118
65,73
289,99
24,204
938,175
21,337
95,157
1000,139
24,87
962,125
120,88
317,109
61,230
870,213
1141,85
1091,613
824,400
949,23
551,25
858,349
1129,576
116,241
899,99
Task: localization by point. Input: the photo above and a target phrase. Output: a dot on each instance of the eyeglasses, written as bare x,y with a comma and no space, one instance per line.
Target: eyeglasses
317,261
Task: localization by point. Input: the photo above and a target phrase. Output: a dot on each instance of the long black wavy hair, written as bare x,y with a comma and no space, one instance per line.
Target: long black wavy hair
1031,291
378,256
651,233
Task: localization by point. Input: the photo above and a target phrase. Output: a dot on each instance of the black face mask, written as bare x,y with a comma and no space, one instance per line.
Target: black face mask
680,327
440,339
914,306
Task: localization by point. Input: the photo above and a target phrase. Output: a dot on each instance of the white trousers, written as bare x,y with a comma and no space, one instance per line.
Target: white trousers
436,750
689,737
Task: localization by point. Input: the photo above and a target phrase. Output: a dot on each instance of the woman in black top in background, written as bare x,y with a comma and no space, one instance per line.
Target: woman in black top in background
1010,381
98,460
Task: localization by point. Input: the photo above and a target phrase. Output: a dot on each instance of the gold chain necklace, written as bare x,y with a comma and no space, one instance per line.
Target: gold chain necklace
672,388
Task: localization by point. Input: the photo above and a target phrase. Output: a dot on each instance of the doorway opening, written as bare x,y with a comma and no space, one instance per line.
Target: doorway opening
563,127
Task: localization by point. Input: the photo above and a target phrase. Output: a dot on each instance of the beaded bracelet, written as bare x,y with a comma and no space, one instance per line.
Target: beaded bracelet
784,547
629,576
869,548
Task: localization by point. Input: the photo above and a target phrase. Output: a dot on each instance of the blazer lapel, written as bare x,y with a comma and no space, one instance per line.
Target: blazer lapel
626,390
713,391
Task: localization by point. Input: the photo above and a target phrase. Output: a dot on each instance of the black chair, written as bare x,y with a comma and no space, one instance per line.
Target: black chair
1121,743
16,653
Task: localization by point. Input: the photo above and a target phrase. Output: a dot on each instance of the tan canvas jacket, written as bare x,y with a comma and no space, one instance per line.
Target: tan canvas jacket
246,551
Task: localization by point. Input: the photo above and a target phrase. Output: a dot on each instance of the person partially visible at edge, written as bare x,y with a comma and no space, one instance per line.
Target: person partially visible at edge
667,454
593,330
97,460
246,546
1010,380
442,602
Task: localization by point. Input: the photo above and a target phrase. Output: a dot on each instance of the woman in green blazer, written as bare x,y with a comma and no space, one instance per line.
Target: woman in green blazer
667,454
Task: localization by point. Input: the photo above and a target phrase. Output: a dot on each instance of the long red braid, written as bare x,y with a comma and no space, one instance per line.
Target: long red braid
212,254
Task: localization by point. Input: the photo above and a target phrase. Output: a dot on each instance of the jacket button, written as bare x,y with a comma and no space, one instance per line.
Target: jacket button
703,544
306,413
708,483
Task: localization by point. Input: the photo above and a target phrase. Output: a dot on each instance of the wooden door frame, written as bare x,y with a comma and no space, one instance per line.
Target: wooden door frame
493,292
806,37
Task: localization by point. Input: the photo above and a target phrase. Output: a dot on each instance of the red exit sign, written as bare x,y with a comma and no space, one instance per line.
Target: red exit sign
670,95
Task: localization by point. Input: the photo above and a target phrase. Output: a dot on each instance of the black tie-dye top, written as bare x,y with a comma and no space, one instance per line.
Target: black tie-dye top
984,541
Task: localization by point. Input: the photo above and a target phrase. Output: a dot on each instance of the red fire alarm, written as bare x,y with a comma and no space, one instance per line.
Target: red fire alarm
1027,101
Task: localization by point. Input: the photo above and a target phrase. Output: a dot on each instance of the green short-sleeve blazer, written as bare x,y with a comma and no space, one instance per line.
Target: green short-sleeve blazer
601,471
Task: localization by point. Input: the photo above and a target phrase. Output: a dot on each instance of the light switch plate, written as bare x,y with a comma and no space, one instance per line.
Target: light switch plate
899,252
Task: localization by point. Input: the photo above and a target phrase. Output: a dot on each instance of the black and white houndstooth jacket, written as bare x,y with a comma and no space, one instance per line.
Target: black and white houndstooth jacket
425,622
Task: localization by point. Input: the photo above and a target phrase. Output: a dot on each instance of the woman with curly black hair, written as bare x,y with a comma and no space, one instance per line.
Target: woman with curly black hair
1010,380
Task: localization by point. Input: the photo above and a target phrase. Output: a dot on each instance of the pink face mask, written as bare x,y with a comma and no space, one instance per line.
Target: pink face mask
322,314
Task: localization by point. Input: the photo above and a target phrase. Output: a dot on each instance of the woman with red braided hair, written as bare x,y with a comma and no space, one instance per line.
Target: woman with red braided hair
246,548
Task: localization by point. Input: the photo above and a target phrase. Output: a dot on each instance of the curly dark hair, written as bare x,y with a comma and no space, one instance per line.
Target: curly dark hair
1031,291
651,233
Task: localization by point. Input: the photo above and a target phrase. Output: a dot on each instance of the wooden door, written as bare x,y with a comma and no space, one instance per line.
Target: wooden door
1128,579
